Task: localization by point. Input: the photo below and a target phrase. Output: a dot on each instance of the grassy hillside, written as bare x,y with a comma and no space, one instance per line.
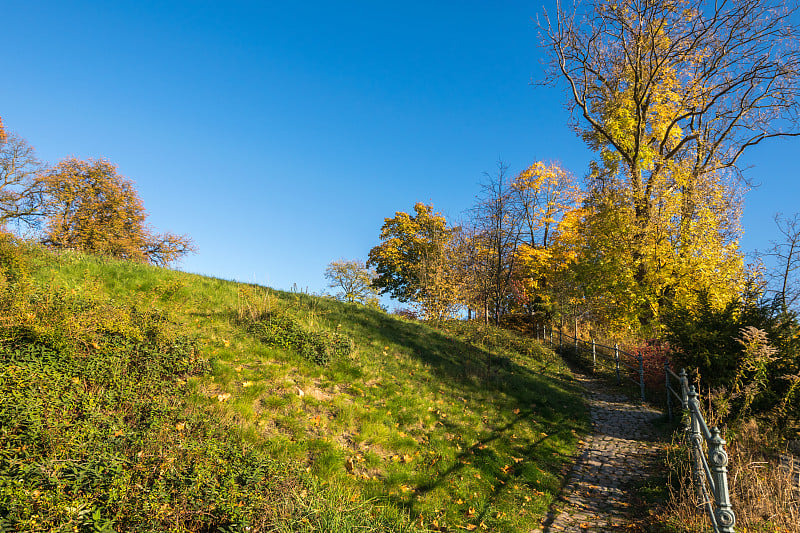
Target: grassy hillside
138,398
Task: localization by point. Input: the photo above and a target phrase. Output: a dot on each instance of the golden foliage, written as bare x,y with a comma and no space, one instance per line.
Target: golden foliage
543,194
415,261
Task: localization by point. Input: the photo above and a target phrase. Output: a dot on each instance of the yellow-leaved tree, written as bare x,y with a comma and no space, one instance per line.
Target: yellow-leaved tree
416,262
671,93
544,194
354,281
92,208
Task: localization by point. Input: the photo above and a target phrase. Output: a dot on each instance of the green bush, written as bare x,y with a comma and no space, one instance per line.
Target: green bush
762,380
282,330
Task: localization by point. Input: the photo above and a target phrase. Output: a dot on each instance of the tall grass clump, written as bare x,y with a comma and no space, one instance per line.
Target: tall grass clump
763,495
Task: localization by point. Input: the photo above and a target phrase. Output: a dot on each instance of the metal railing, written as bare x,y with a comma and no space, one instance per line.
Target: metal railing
610,359
707,447
709,458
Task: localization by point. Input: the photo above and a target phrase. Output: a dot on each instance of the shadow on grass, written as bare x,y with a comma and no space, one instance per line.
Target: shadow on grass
472,367
526,386
554,401
486,460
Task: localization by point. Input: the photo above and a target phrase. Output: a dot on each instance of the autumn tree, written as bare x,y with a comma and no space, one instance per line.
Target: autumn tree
671,93
439,276
21,191
354,280
413,261
94,209
471,263
543,194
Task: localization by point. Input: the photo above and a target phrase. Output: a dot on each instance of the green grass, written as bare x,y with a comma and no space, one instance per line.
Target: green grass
455,427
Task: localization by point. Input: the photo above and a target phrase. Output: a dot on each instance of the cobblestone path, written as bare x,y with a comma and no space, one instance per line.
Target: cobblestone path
622,449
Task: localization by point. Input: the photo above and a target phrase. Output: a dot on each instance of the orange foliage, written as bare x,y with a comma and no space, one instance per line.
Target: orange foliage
93,209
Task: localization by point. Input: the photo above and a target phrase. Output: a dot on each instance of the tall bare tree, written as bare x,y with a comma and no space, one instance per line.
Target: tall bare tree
786,253
21,191
497,224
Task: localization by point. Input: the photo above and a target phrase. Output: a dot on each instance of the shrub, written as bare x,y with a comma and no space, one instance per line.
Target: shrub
654,354
407,313
14,276
751,375
280,329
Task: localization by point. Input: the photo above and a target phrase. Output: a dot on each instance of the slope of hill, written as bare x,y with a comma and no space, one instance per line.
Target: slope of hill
138,398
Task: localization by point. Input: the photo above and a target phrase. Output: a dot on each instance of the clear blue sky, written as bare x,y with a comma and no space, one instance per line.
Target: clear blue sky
279,135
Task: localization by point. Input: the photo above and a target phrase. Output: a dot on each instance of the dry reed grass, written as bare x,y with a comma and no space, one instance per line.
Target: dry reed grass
763,493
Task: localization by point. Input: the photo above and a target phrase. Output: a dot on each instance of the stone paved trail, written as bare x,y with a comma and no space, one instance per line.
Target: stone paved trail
622,449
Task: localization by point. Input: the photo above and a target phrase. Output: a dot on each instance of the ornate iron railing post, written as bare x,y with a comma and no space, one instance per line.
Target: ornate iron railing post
696,441
616,361
719,471
641,373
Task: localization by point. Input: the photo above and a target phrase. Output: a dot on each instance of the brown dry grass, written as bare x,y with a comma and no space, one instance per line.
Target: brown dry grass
762,492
